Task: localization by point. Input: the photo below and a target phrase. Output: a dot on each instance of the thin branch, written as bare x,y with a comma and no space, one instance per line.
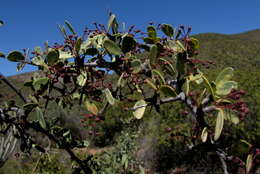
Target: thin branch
222,157
13,87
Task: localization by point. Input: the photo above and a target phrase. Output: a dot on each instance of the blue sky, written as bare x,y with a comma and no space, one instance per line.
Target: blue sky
28,23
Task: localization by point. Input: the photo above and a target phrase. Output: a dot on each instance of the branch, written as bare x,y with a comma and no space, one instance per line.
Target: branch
162,101
222,157
13,87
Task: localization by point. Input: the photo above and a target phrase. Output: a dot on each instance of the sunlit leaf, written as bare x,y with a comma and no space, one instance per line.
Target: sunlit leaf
204,135
82,79
109,97
65,54
138,113
91,107
224,76
249,162
226,87
219,124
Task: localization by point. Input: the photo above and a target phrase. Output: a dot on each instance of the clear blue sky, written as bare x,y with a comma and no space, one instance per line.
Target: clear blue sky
28,23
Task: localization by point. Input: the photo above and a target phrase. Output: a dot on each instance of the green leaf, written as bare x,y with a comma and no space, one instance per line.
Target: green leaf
128,44
70,27
52,57
151,84
168,63
204,135
39,61
82,79
91,107
63,31
138,113
78,44
65,55
109,96
224,76
2,54
153,54
39,83
194,43
249,162
148,40
91,51
121,81
167,30
29,107
15,56
158,75
231,117
136,65
168,90
39,117
219,124
151,31
226,87
112,47
209,87
111,21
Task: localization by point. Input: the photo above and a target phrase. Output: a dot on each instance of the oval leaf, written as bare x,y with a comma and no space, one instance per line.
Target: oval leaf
52,57
204,135
128,44
249,161
39,117
167,30
82,79
136,64
112,47
219,124
138,113
153,54
91,107
39,83
158,75
109,96
168,90
226,87
224,75
15,56
151,31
